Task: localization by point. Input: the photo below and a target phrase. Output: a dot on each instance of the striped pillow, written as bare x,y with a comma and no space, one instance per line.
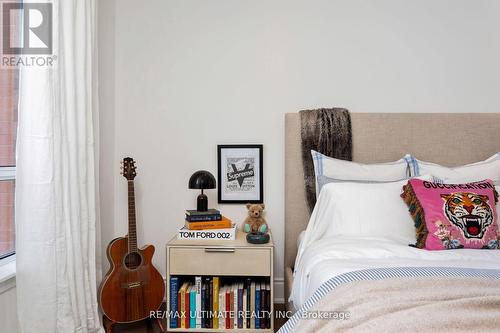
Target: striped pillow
487,169
330,170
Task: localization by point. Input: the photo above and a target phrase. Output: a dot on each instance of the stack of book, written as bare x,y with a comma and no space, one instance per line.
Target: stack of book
209,224
206,302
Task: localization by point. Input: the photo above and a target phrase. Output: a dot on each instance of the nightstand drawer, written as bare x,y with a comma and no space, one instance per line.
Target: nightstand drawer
220,261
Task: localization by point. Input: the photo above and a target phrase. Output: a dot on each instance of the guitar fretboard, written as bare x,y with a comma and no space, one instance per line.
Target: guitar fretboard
132,232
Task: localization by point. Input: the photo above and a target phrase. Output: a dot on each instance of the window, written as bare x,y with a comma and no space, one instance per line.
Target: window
9,79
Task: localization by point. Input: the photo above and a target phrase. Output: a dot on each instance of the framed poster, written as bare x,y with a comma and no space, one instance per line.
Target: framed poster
240,174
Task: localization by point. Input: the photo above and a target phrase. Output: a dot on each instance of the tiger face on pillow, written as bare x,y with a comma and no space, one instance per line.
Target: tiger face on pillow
453,216
468,211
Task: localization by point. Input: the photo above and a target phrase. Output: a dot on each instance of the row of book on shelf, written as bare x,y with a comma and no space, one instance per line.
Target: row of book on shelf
205,302
206,225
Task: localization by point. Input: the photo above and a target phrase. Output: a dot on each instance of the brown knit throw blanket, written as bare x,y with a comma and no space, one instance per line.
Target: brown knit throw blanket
327,131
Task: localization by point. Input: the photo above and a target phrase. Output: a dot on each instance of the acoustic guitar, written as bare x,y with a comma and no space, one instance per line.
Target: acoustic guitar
133,286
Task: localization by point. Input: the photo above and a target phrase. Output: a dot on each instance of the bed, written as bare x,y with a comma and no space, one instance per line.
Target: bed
335,263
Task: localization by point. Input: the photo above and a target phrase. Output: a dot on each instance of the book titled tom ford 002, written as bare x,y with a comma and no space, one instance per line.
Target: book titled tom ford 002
209,234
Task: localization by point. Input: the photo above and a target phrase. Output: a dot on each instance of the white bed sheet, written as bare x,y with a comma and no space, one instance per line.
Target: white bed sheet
325,258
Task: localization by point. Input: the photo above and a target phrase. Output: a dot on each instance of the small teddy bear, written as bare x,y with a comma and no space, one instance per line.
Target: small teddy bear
254,221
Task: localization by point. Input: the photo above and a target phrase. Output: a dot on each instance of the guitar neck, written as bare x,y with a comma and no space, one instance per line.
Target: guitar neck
132,231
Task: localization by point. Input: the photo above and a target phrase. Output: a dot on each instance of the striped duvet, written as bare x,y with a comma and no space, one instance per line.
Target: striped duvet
402,299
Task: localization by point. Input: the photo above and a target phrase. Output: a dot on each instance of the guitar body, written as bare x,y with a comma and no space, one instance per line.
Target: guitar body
133,287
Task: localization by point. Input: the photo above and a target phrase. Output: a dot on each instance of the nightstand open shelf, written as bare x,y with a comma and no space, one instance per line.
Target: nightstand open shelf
231,330
227,260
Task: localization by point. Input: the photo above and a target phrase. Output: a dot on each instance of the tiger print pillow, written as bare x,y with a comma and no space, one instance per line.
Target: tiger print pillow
453,216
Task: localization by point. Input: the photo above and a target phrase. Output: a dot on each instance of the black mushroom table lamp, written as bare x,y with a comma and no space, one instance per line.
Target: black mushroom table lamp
202,180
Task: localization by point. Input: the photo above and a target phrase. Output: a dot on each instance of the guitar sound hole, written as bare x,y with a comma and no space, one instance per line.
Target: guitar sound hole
133,260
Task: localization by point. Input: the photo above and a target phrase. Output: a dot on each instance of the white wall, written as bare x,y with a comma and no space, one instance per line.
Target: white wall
180,77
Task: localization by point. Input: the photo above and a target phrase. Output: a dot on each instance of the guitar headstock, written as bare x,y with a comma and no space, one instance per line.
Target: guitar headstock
128,168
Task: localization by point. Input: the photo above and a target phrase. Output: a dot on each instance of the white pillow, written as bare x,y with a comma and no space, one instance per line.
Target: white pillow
328,170
365,209
487,169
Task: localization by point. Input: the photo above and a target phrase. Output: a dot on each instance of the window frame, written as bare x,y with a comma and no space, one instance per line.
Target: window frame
7,173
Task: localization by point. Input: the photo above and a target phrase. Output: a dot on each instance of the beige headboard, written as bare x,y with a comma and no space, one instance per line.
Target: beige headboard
445,138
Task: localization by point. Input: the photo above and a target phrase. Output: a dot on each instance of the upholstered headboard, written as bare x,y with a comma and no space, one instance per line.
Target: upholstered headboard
444,138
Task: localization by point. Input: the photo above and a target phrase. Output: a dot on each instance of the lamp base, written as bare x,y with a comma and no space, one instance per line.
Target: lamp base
202,203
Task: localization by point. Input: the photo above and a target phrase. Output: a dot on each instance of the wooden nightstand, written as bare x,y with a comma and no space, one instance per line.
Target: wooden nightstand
225,259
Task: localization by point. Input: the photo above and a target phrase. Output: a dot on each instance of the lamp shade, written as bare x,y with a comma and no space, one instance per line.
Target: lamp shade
202,180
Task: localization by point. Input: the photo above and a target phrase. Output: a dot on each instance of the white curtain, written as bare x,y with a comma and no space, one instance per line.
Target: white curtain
56,201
